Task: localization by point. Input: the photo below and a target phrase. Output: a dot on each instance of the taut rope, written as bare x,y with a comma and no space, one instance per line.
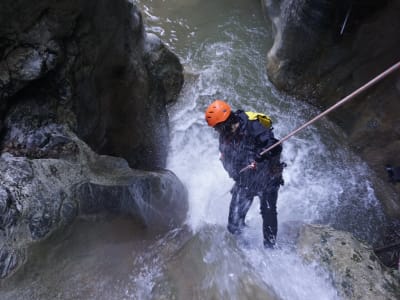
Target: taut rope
333,107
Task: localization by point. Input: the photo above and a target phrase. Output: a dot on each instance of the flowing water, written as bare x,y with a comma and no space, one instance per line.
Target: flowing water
222,45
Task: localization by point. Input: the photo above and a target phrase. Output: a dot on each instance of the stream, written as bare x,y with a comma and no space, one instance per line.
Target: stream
222,46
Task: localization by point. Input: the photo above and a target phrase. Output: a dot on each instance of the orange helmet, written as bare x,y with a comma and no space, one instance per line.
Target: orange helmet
217,112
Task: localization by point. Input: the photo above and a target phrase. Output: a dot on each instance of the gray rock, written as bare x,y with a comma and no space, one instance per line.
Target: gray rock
94,60
317,52
83,95
42,196
320,56
355,270
195,271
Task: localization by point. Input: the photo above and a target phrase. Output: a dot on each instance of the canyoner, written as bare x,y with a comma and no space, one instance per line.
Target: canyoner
251,154
242,136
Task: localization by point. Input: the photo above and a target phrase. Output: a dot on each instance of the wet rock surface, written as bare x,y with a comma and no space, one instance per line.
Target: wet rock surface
41,196
193,271
94,59
355,270
83,120
323,51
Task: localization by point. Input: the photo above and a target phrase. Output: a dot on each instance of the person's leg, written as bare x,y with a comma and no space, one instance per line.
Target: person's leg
240,205
269,214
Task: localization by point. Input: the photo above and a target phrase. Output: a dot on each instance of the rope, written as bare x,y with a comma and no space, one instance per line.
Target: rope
346,18
333,107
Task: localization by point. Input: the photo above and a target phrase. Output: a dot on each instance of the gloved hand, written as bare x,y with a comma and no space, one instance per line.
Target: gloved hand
253,165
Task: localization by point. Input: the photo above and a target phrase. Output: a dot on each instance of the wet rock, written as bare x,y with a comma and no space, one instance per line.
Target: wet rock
320,47
301,29
4,200
151,199
95,61
204,267
36,131
325,50
83,95
159,61
355,270
43,196
26,64
10,259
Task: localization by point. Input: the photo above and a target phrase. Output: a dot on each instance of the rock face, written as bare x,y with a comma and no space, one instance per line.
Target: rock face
41,196
83,95
94,59
355,270
324,50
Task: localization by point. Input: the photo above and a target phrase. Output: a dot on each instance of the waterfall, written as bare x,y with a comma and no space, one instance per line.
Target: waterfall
223,47
224,58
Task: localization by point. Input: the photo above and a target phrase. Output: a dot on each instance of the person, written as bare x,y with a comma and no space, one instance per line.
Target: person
241,140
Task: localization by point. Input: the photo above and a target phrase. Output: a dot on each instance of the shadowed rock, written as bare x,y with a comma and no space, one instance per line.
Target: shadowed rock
323,51
94,59
83,95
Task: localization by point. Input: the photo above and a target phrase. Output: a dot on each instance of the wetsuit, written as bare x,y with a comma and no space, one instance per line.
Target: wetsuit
240,144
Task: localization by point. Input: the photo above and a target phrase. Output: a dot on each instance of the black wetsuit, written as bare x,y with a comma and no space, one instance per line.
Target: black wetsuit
240,144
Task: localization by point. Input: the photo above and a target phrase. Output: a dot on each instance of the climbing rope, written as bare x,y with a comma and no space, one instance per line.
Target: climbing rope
333,107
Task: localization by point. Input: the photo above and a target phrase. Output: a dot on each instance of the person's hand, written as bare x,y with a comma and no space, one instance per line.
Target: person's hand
253,165
250,166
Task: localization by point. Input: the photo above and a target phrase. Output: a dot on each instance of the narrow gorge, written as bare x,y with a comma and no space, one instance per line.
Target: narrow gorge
110,182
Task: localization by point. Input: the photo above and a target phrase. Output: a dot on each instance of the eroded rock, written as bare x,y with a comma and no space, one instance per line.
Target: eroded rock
325,50
355,270
41,196
94,59
83,95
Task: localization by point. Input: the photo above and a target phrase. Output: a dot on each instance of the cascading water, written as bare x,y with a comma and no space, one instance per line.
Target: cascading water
223,48
222,45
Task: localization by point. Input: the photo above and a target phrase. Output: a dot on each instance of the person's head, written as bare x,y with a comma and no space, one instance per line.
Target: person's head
219,116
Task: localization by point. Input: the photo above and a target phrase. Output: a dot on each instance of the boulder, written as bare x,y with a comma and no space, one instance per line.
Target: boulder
41,196
355,270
